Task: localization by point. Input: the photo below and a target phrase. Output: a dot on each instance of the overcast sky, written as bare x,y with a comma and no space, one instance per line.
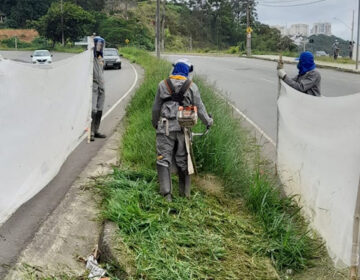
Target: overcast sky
324,11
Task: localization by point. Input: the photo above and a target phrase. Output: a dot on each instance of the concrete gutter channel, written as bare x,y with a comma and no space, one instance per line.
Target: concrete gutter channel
74,228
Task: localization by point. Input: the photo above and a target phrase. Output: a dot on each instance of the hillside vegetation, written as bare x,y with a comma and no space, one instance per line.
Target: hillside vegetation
185,25
324,43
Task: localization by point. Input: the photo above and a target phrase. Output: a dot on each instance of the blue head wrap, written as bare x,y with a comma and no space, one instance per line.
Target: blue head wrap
181,69
99,44
306,63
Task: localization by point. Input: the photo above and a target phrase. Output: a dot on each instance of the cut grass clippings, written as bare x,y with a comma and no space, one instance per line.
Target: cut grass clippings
186,239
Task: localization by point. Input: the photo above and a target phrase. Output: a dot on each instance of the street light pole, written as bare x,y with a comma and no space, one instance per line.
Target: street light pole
358,36
62,24
158,29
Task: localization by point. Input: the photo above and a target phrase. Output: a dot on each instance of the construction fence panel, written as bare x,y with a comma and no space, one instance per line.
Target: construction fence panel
44,114
319,161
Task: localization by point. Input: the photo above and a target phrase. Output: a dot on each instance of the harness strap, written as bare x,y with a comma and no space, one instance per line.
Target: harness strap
177,96
170,86
185,87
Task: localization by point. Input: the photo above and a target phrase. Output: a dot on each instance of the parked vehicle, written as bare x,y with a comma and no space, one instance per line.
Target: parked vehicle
321,53
111,58
41,57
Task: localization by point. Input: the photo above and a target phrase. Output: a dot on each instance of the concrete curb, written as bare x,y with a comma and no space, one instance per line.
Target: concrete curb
317,65
115,252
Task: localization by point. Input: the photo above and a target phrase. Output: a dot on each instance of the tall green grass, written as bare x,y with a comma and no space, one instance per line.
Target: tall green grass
231,154
201,238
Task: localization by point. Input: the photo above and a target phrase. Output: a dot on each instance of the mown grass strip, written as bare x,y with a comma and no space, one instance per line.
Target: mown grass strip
228,152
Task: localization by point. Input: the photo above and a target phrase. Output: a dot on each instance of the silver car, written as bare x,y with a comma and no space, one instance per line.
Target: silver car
111,58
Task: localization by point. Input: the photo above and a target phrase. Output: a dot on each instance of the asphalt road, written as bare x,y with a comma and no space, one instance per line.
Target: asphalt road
116,81
251,84
20,228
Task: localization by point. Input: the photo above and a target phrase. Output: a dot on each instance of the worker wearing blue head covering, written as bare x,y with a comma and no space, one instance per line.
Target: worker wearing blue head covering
182,68
178,91
98,95
308,80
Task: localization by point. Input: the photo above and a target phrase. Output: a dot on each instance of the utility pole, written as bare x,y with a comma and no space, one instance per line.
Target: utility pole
358,35
16,43
352,27
158,29
248,32
62,24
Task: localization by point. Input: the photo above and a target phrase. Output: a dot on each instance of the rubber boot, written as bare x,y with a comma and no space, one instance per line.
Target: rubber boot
184,183
93,121
97,125
165,181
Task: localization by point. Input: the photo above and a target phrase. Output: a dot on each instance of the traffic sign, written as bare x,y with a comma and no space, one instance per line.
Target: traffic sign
249,30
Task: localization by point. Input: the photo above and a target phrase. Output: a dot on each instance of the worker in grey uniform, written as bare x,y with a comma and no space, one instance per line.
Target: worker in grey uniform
308,80
98,94
170,137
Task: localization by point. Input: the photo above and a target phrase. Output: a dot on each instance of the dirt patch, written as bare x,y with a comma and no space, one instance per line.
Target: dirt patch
209,183
25,35
323,269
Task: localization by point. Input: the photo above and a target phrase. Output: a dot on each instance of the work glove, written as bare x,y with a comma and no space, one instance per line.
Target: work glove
210,122
281,74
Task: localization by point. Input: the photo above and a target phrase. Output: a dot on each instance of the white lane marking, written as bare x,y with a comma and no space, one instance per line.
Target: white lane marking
262,132
125,95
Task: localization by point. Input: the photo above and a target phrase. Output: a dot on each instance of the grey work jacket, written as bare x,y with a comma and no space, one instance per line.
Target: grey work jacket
308,83
168,110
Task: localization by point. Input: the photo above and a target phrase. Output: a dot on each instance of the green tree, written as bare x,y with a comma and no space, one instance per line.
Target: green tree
19,12
89,5
76,22
115,30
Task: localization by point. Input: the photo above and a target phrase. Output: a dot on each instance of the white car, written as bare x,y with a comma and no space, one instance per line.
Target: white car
321,53
41,57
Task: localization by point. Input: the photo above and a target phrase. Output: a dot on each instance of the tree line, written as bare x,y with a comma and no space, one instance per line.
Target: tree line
212,24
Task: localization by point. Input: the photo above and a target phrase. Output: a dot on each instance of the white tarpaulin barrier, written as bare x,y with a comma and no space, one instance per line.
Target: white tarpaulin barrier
44,113
319,159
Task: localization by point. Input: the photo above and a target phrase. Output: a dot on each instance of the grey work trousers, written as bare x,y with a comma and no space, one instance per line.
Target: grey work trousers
98,98
169,147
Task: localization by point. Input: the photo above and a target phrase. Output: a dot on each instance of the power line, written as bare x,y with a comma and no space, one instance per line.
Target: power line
267,4
281,2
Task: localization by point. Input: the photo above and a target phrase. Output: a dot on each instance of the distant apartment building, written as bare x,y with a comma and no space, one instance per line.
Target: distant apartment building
299,29
283,30
294,30
321,28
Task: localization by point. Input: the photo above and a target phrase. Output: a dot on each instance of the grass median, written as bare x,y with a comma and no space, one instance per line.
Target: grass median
232,235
